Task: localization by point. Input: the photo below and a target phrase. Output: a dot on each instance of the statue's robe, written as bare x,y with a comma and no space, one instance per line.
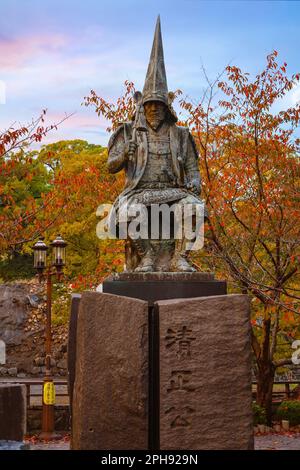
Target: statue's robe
165,162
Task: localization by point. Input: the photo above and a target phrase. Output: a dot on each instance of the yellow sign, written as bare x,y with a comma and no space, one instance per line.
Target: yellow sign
49,393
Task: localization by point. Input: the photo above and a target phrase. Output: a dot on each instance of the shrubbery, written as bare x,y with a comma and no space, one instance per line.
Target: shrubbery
61,302
19,266
289,410
259,414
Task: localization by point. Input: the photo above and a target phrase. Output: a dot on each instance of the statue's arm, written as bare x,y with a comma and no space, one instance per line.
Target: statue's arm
117,151
191,168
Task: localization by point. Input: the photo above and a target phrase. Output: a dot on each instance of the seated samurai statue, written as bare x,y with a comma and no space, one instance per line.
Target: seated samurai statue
160,161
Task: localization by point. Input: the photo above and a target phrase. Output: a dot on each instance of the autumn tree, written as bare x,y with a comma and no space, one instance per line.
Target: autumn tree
114,113
80,182
23,182
250,166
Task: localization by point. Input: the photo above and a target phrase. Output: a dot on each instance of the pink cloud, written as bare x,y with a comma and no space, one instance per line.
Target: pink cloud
19,51
80,119
79,126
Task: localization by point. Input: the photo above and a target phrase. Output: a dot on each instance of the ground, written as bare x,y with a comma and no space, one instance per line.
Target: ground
287,441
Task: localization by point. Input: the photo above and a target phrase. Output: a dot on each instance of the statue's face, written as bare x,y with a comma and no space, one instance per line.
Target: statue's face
155,112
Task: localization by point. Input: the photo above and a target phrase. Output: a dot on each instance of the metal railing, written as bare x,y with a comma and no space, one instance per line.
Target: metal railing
280,395
38,382
61,386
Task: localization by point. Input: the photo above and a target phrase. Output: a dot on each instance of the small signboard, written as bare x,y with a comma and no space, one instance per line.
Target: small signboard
49,393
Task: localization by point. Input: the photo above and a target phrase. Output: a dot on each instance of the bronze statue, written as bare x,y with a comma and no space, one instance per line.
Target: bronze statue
160,163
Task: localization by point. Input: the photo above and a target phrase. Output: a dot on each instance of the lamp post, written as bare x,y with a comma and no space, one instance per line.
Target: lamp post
54,268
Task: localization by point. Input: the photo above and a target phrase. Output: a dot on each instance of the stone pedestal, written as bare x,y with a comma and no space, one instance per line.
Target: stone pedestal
205,399
161,374
12,412
110,401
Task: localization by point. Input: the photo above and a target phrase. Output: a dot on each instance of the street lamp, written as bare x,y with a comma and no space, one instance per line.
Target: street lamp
55,268
59,254
40,255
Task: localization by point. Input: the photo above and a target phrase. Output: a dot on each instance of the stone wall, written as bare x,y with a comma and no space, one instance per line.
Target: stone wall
22,328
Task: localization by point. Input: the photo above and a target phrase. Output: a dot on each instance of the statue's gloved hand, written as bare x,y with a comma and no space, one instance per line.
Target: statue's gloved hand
193,185
130,149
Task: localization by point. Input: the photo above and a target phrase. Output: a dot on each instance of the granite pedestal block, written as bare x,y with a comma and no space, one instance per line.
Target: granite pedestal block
110,399
12,412
204,383
72,342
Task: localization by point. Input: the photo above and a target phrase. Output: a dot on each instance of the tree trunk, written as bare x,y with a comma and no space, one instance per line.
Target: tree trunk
265,380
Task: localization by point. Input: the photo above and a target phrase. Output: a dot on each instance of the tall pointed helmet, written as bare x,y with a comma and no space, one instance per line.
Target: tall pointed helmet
156,88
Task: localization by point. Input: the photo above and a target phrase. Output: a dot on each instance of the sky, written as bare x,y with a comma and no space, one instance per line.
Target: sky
53,52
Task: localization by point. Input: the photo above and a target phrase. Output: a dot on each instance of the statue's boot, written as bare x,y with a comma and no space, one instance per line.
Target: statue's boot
147,263
179,262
